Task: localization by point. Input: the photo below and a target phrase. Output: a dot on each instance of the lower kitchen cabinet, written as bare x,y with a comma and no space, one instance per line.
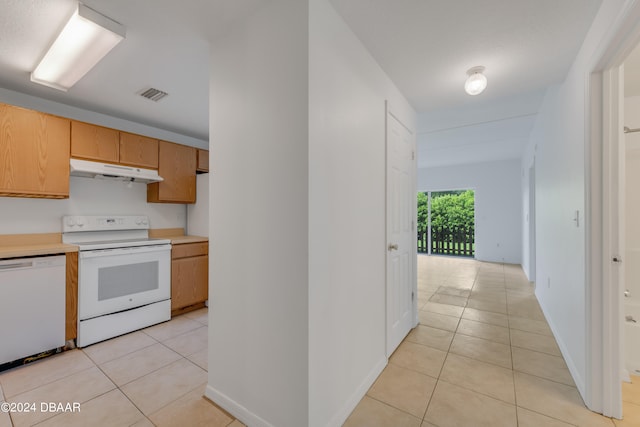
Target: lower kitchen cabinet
189,276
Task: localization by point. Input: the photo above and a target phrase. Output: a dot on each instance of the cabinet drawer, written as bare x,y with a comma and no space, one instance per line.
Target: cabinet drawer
189,250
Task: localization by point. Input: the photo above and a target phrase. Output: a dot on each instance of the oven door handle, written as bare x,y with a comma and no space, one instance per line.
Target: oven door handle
124,251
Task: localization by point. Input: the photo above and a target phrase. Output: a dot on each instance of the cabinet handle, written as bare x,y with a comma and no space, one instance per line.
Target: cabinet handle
16,265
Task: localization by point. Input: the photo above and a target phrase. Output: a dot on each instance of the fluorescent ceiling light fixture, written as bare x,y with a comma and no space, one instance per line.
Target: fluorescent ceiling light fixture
476,82
83,42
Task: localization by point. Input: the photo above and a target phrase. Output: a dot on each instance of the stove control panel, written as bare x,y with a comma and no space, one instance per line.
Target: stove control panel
73,223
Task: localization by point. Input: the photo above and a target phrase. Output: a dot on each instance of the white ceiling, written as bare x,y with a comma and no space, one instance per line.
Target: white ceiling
166,47
468,134
425,46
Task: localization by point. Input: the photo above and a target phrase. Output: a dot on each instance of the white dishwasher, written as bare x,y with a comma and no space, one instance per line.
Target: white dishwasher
32,306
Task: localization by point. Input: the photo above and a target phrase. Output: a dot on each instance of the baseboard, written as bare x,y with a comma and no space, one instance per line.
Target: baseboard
624,376
341,416
575,373
234,408
253,420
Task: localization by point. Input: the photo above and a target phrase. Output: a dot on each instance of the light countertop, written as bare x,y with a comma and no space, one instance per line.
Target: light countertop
25,245
176,235
180,240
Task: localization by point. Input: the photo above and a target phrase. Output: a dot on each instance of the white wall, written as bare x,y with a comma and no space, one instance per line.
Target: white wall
297,327
258,317
346,215
558,143
497,204
87,196
560,251
198,213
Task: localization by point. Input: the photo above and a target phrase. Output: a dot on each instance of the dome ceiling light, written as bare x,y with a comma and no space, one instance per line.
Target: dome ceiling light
476,82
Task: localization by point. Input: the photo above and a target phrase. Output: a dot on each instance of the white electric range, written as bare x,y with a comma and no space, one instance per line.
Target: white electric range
124,277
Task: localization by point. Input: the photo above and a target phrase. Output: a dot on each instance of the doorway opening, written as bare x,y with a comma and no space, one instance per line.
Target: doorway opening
531,218
446,223
629,232
630,208
605,236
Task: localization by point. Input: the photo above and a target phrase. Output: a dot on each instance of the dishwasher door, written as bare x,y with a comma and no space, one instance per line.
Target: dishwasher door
32,306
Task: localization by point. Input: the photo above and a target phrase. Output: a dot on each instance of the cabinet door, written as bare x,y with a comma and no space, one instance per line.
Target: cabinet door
34,153
138,150
189,281
93,142
177,165
203,160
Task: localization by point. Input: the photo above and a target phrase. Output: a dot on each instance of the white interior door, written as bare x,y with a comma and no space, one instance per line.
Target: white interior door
401,234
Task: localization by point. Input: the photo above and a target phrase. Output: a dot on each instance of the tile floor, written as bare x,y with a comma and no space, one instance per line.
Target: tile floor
155,376
482,355
630,403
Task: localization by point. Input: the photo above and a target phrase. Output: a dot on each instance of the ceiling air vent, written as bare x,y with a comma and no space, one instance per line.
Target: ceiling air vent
153,94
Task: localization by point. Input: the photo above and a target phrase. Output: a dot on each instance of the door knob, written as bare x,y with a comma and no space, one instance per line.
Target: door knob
393,246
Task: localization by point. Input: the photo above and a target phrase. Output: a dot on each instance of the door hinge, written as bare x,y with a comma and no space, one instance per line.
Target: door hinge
412,295
413,225
413,155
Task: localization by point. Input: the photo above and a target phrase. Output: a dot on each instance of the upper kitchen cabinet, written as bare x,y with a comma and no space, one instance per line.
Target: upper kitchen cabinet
138,150
177,164
34,153
203,161
93,142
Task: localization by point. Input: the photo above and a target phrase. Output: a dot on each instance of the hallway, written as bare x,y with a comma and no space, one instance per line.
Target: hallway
482,355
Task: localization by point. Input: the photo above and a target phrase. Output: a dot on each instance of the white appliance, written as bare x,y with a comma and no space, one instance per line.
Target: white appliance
198,213
124,277
99,170
32,306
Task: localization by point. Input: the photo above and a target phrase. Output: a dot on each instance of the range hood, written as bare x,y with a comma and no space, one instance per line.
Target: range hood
116,172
